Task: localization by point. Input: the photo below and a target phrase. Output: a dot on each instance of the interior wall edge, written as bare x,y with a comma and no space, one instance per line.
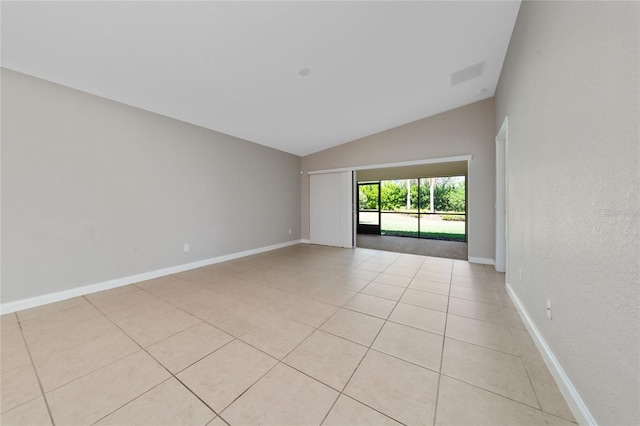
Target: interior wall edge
94,190
576,404
32,302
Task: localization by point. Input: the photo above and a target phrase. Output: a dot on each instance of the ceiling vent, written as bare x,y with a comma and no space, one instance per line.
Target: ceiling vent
467,73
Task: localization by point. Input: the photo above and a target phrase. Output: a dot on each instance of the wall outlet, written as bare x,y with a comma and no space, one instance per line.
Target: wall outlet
548,308
289,231
186,248
520,270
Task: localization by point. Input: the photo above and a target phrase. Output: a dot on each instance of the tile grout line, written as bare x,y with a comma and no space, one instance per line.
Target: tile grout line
102,315
129,402
369,348
35,371
496,393
535,392
340,392
483,347
359,402
278,361
364,356
157,361
444,338
521,358
506,353
281,361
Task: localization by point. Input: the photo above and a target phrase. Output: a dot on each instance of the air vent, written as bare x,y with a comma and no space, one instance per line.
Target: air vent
467,73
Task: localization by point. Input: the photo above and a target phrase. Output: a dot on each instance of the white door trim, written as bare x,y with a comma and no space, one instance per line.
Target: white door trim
502,197
467,157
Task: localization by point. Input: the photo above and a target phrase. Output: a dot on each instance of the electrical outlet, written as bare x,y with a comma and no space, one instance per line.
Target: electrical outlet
289,231
520,274
548,308
186,248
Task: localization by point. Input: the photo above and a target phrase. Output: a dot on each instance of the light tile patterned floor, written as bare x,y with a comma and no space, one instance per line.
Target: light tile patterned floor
306,335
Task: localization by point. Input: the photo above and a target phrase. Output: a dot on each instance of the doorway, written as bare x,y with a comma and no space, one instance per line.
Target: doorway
502,201
404,201
418,169
429,208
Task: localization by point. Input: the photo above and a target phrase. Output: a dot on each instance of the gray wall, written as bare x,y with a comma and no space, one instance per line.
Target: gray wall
465,130
570,88
94,190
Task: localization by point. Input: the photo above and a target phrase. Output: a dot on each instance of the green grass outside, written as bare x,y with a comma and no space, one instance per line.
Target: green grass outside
406,225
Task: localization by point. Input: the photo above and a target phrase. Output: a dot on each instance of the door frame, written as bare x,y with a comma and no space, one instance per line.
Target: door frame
368,229
502,197
352,169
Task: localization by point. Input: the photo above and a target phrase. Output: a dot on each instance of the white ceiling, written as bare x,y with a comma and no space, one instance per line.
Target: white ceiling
234,66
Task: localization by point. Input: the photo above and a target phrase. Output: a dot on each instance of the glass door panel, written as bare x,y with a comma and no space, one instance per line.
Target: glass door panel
369,208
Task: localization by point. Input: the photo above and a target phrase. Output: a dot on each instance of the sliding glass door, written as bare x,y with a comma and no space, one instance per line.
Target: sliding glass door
433,208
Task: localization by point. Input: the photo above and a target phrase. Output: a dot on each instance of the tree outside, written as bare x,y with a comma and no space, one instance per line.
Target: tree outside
405,209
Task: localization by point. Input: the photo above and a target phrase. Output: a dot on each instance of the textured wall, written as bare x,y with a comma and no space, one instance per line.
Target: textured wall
93,190
570,88
465,130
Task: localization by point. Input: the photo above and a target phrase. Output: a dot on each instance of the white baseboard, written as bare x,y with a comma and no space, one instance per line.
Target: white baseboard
575,402
481,260
305,241
32,302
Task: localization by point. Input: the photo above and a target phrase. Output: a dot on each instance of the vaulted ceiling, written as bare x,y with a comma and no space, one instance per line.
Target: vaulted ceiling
296,76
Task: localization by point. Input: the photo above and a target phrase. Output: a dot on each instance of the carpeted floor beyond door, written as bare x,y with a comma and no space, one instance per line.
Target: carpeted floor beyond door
435,248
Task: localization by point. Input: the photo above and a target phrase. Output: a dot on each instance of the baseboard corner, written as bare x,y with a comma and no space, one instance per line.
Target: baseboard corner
480,260
35,301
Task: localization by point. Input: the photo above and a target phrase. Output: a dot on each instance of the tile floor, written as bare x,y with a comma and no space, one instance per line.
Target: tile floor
306,335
